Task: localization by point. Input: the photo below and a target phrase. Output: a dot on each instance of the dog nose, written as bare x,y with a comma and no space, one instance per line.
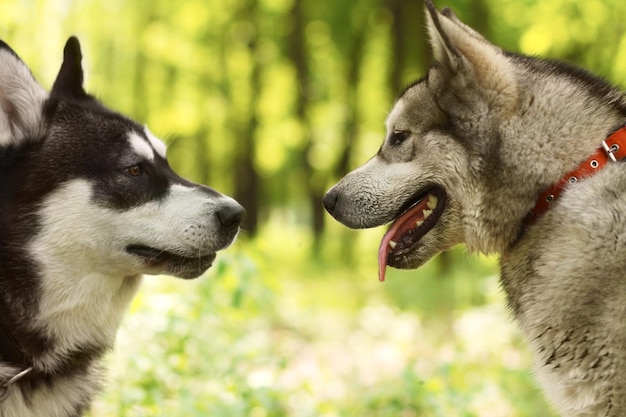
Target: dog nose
231,214
330,200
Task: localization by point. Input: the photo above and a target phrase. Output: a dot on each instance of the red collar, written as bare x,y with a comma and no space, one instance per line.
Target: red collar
613,149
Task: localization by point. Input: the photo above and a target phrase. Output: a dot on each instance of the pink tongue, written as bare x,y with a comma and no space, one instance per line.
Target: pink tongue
407,221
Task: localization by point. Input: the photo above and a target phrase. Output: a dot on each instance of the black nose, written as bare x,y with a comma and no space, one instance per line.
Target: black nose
330,200
230,213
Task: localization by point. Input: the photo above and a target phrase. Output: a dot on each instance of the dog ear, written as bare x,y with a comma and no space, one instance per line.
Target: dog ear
468,67
21,99
69,82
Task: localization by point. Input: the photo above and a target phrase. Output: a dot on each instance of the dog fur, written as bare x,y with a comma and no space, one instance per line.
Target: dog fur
88,203
483,134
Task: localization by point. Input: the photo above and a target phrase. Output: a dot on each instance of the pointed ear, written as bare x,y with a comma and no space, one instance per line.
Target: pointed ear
21,100
69,82
468,68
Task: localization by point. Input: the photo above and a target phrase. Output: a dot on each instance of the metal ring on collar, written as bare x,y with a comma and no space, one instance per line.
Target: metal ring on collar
18,376
4,387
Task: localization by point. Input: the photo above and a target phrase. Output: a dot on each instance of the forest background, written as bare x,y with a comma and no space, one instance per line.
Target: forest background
272,101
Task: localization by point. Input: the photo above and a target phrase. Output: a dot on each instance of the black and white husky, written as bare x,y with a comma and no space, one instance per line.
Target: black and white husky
88,203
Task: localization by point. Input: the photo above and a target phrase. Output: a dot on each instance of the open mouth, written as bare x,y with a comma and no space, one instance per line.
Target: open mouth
162,260
410,226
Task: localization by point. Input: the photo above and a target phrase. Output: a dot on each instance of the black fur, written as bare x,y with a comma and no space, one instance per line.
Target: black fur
76,140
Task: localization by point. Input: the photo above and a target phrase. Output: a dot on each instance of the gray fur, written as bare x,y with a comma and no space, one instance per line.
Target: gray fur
494,129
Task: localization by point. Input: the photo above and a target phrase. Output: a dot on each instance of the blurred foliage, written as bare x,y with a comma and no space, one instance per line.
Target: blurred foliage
272,101
299,89
303,340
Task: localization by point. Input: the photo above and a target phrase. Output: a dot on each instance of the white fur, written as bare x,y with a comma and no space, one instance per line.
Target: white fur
140,146
156,143
87,276
21,100
84,292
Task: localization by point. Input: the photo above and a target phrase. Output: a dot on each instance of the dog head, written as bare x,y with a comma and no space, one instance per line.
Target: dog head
82,182
440,156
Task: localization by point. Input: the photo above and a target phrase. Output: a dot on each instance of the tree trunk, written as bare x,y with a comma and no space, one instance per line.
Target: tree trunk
247,181
314,188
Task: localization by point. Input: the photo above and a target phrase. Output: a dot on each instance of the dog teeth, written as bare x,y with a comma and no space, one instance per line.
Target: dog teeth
427,213
392,244
419,223
432,201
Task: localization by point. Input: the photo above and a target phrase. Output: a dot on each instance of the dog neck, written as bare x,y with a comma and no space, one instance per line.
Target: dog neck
613,149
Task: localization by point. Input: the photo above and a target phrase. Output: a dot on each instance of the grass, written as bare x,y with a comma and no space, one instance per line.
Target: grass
272,332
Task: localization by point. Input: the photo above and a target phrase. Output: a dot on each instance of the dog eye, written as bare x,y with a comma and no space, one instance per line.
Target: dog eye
134,171
398,136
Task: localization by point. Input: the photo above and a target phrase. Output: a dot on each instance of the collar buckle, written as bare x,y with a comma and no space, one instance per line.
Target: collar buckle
610,150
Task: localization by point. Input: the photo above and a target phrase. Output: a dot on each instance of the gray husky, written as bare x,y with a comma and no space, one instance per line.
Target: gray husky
88,203
522,157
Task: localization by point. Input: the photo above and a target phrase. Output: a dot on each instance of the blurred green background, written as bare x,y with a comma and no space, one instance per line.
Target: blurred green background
272,101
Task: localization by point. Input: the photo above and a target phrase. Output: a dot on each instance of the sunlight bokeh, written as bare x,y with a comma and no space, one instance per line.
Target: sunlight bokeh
272,101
